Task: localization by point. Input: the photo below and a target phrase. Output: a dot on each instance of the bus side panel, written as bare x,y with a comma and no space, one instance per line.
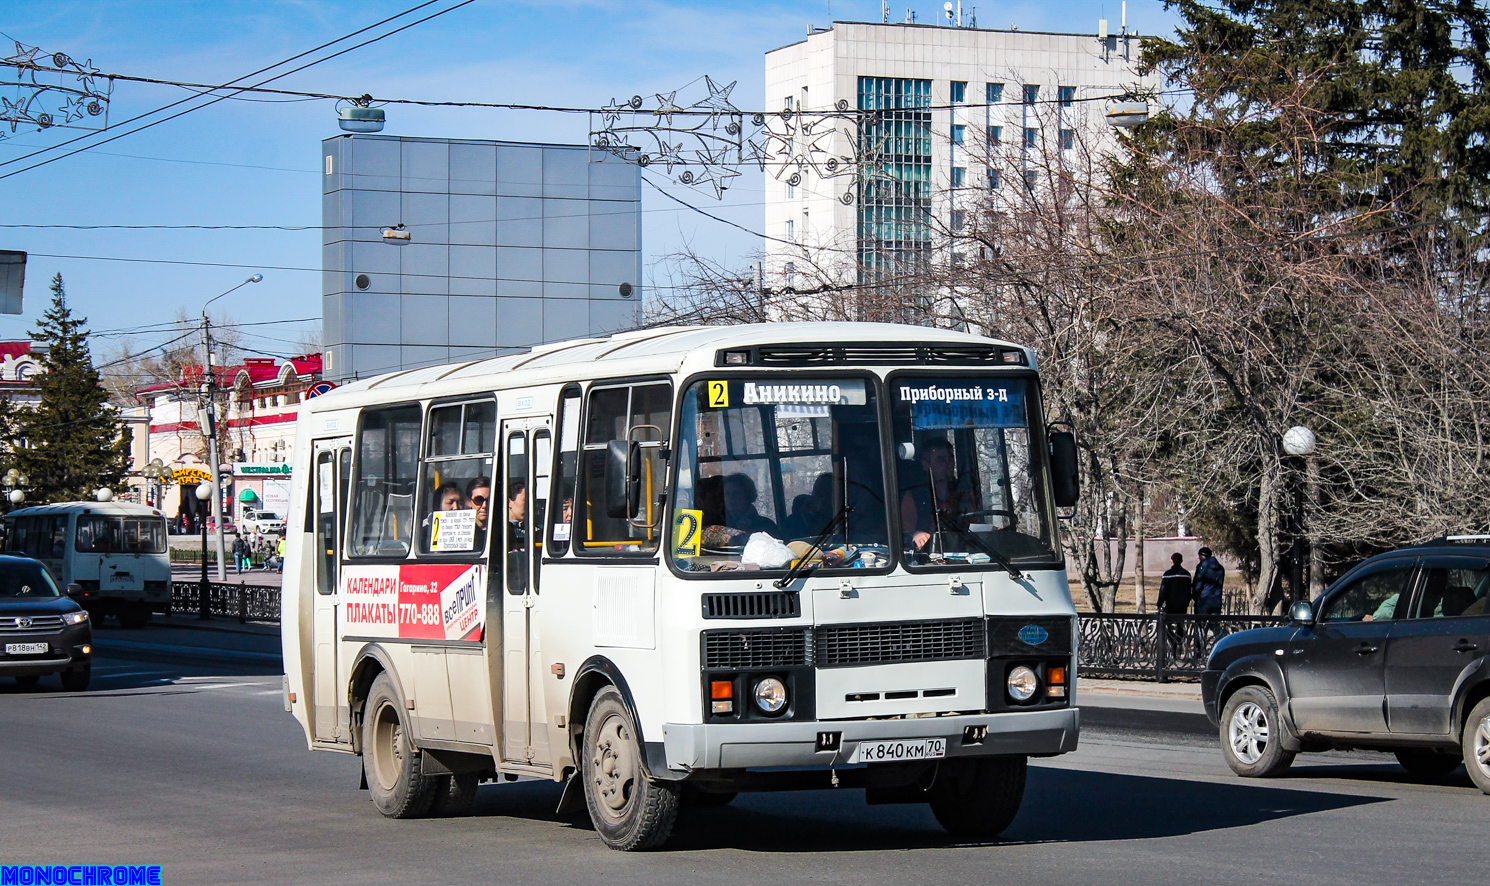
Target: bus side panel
296,590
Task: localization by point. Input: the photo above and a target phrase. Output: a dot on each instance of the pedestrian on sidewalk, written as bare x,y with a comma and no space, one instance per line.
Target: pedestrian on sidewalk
240,552
1210,579
279,555
1174,599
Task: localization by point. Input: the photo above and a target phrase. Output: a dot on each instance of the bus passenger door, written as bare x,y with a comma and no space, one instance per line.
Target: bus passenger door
527,453
331,463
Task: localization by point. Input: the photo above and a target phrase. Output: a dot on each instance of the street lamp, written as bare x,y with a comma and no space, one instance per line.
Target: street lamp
1299,442
209,418
12,480
205,490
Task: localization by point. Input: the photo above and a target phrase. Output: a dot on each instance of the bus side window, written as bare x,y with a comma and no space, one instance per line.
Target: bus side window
618,414
382,511
567,469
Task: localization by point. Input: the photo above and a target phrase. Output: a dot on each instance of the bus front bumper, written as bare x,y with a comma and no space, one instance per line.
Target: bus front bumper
757,745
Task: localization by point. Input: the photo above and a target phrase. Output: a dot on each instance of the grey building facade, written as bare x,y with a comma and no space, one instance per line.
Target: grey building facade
507,245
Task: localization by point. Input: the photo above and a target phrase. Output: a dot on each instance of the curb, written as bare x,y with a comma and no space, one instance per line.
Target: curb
202,652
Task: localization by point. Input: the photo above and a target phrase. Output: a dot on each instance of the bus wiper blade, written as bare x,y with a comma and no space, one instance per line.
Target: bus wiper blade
801,568
995,556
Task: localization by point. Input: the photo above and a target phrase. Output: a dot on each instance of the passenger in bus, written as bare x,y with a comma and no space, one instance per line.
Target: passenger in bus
939,499
729,514
449,498
478,495
811,513
517,508
739,506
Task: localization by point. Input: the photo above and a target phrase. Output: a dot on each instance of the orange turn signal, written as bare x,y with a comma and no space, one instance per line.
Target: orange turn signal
1055,674
722,689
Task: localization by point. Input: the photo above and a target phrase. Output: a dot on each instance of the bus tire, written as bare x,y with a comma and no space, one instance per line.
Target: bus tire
630,811
454,795
394,769
978,799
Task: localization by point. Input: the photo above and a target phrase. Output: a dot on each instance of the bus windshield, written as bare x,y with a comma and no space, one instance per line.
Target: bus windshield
969,480
99,534
766,465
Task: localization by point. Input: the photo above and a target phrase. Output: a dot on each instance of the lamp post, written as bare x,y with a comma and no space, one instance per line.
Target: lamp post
205,490
1299,442
209,419
12,481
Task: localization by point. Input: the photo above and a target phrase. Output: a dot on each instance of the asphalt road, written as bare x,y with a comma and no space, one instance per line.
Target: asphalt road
199,769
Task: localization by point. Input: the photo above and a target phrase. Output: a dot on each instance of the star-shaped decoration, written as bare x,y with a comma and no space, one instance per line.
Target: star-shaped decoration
667,106
755,151
610,114
717,102
670,155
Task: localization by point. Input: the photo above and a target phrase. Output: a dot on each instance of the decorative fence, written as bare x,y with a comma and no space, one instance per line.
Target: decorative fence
243,602
1157,646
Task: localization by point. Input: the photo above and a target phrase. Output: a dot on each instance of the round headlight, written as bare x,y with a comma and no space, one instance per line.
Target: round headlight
770,695
1022,683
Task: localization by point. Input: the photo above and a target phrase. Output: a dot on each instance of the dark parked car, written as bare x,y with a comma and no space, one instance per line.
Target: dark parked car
42,631
1392,658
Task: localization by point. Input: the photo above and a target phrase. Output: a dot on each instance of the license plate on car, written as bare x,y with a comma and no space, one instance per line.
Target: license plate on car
899,749
25,648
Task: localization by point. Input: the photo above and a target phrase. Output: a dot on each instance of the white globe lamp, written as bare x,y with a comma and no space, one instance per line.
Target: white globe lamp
1298,441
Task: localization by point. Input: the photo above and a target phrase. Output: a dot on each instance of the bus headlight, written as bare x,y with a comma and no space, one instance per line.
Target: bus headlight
1022,683
770,695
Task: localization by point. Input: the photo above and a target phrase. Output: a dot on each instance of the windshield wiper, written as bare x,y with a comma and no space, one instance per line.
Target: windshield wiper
995,556
801,568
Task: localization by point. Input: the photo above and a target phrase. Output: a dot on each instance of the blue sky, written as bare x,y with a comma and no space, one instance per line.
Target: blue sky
254,162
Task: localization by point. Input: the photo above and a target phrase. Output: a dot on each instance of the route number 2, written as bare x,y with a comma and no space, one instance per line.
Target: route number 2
718,394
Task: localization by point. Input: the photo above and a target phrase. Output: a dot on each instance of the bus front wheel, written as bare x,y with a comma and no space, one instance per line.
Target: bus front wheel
629,810
977,798
395,770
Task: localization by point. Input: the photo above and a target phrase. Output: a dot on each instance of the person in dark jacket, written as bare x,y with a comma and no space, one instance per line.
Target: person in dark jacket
1210,578
1174,598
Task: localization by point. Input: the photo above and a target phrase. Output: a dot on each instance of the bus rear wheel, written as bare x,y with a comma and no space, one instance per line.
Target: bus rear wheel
395,770
629,810
976,799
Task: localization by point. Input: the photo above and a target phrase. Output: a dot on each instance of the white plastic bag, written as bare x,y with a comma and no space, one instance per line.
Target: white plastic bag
766,551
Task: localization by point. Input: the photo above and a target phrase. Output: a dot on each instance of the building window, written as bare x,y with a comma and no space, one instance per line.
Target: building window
995,134
1029,180
959,134
894,209
791,273
1031,136
995,93
993,179
791,230
1068,139
1031,94
959,176
959,92
791,191
959,220
1067,95
788,103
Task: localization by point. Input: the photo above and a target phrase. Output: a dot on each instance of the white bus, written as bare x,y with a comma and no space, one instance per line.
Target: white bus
115,550
675,564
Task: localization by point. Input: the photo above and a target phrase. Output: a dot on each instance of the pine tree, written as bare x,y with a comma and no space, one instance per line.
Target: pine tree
73,442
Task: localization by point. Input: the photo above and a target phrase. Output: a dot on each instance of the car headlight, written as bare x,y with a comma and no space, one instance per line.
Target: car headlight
1022,683
75,618
770,695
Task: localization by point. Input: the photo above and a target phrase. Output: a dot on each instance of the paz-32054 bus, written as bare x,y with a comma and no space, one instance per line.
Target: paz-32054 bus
672,565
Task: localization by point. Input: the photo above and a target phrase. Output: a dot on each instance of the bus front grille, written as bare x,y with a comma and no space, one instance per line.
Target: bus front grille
759,604
757,648
900,641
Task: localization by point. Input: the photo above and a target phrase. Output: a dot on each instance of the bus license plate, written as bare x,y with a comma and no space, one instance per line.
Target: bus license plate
25,648
899,749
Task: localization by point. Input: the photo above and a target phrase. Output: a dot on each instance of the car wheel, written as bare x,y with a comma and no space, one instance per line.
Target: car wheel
395,770
76,679
977,799
31,680
1251,733
454,795
1428,763
1476,744
629,810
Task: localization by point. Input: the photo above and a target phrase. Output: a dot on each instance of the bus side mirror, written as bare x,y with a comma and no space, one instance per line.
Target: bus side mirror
623,479
1063,471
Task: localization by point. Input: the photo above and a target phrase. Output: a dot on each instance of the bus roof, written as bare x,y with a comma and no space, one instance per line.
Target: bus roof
114,508
659,350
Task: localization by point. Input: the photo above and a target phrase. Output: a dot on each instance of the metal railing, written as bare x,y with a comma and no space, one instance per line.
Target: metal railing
1158,646
244,602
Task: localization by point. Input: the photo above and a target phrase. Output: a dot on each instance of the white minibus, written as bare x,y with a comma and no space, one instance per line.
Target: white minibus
115,550
671,565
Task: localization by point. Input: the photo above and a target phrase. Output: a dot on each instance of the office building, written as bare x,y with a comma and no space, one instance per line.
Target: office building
440,250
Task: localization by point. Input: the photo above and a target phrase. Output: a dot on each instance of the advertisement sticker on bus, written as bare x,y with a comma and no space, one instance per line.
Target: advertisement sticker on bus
416,601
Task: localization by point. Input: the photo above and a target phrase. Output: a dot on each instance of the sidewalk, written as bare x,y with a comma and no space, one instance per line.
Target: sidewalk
191,573
1139,695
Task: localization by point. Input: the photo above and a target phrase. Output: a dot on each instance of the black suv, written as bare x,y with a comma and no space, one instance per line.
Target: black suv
1392,657
42,631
